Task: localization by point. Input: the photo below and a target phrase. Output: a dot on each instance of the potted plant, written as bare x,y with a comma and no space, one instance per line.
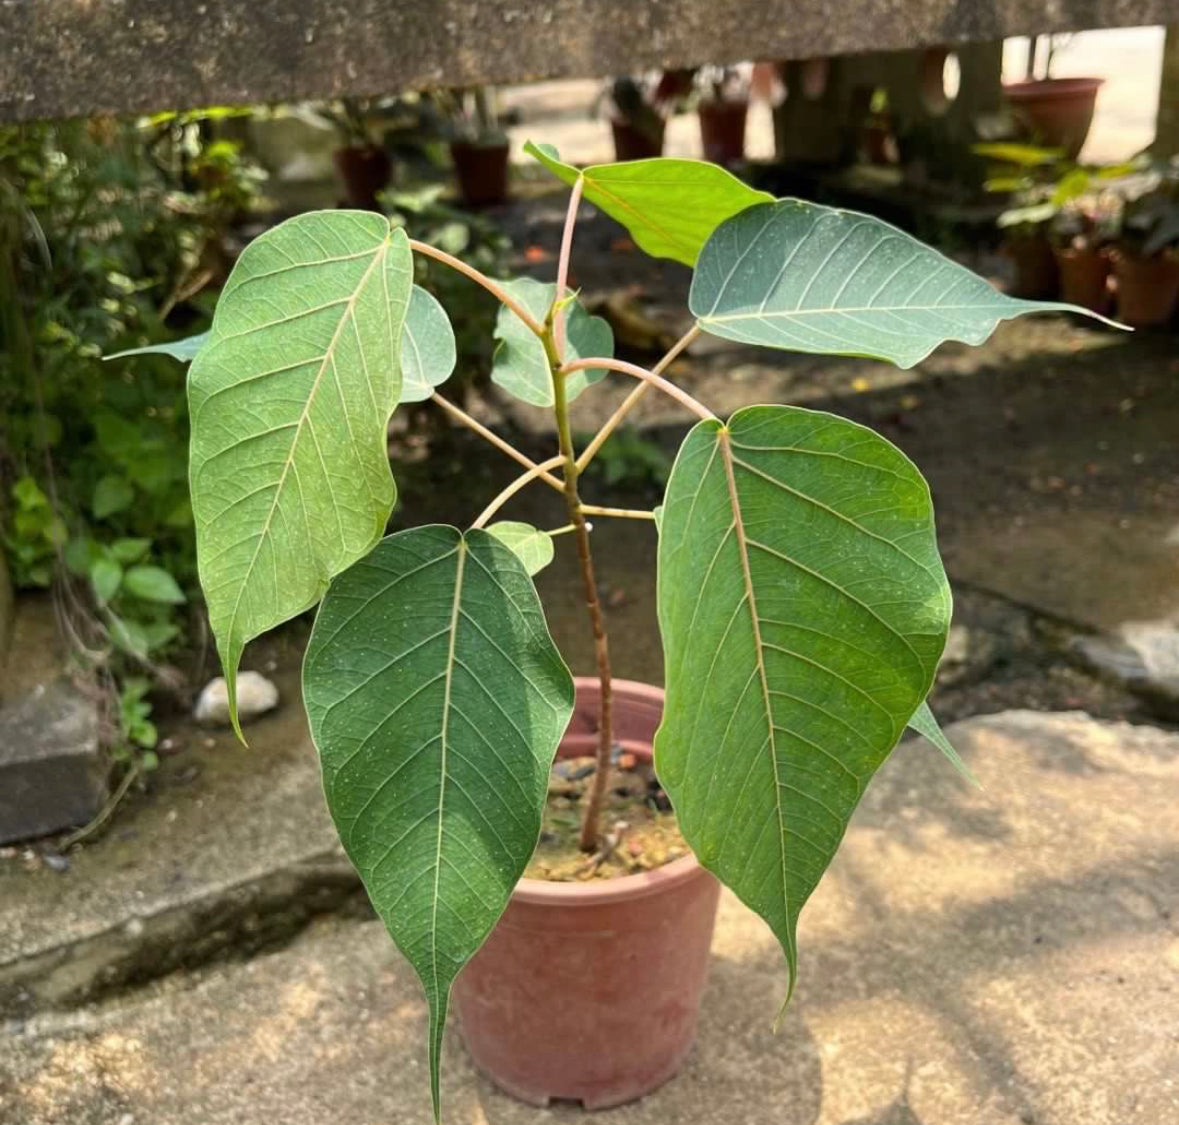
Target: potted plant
801,598
479,148
1145,260
1081,233
723,107
1053,111
638,115
879,138
363,164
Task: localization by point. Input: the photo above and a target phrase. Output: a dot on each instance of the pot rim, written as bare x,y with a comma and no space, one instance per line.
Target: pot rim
596,892
1051,87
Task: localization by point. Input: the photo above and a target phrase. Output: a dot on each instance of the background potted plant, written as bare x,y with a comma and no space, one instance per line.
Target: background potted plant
723,107
801,598
638,116
1053,111
362,163
1081,232
479,148
1145,261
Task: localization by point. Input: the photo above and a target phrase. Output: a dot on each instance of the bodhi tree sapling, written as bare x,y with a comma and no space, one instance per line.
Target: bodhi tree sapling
801,598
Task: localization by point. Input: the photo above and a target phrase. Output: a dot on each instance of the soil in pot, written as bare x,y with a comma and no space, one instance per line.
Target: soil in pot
1036,274
1148,289
632,143
1084,277
1057,112
481,169
589,989
722,131
366,171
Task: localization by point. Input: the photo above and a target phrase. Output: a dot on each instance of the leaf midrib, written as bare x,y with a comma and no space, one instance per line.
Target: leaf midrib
349,311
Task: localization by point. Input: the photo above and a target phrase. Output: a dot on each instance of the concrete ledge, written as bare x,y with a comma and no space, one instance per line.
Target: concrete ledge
61,58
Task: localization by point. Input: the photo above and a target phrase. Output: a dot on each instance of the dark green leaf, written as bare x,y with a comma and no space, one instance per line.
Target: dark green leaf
112,494
806,278
803,607
436,699
670,206
521,366
128,551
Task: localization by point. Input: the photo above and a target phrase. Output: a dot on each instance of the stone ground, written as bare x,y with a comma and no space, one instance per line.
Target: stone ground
1003,957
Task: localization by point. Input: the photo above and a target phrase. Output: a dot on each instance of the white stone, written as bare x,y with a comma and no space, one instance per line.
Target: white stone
255,696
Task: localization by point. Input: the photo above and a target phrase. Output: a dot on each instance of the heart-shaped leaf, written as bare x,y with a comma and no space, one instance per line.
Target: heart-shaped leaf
437,699
532,547
427,347
806,278
289,401
803,607
521,366
670,206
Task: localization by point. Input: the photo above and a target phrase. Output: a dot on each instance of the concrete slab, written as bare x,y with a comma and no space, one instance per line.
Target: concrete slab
1009,957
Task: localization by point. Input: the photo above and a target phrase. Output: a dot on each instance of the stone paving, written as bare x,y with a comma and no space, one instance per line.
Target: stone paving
1003,957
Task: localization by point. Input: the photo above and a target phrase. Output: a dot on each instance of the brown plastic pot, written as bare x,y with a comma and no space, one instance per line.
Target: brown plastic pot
365,170
1084,277
631,143
722,131
1036,274
590,992
481,170
1056,111
1148,289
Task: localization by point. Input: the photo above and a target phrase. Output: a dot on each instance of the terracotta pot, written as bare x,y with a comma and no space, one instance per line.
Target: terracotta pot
366,170
1148,289
1036,274
631,143
591,991
481,170
1084,277
1056,111
722,131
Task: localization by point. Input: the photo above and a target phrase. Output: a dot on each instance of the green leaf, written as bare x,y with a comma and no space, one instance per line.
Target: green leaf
534,548
924,723
670,206
290,401
128,551
129,636
521,366
436,699
803,607
106,575
807,278
427,347
184,350
153,584
112,494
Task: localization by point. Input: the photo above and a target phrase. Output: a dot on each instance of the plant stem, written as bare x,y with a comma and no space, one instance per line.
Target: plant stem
628,404
563,266
617,513
479,278
461,415
670,389
515,486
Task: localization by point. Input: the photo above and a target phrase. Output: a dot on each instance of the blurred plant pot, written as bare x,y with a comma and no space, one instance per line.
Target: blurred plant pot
632,143
1056,111
366,171
722,131
481,169
1036,275
1148,288
1084,277
591,991
879,145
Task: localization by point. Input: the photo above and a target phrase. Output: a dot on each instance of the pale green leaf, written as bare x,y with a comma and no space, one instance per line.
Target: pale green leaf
427,347
184,350
803,607
289,402
926,725
670,206
806,278
153,584
112,494
534,548
521,366
436,699
106,575
128,551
